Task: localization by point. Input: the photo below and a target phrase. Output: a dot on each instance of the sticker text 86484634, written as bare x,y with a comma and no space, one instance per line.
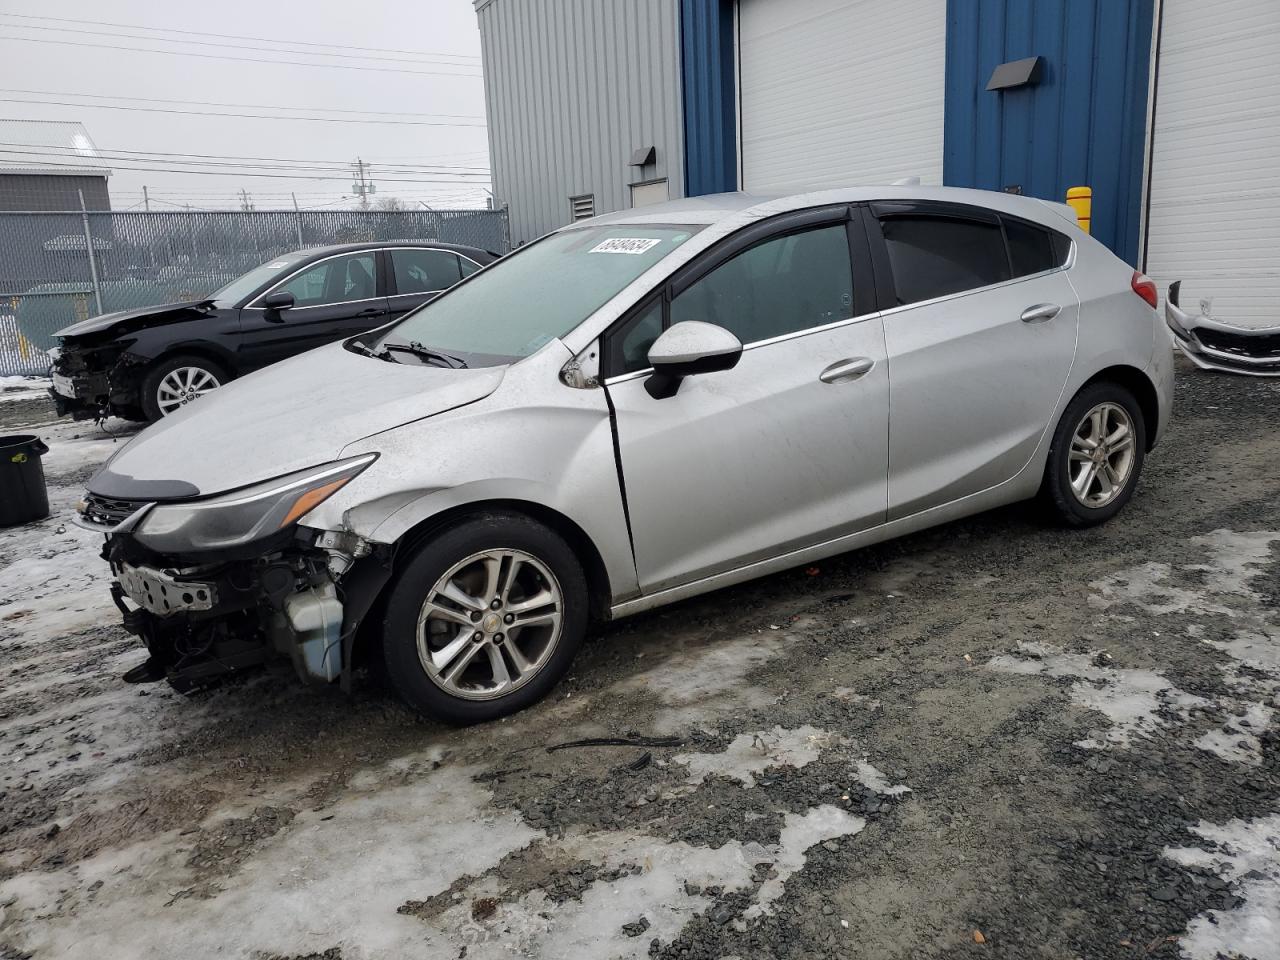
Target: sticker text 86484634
624,245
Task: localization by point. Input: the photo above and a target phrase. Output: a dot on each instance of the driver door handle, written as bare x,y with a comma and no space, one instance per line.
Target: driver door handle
368,312
1040,313
843,371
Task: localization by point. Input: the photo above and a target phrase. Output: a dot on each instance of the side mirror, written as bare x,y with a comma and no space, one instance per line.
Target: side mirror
277,302
688,348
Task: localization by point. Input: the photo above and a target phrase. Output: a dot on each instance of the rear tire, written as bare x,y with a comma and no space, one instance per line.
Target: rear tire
176,381
485,619
1096,456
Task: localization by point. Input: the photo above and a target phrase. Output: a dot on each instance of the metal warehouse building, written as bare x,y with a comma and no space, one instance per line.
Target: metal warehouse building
1168,109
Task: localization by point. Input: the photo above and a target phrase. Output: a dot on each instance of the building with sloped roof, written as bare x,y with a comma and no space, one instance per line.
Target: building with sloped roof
47,164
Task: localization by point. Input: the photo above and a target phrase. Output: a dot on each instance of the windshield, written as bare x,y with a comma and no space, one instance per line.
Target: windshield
536,294
241,287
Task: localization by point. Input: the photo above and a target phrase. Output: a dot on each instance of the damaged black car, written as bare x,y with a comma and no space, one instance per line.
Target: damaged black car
147,363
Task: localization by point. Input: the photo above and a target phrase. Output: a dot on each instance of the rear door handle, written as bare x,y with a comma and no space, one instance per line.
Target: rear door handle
842,371
1040,313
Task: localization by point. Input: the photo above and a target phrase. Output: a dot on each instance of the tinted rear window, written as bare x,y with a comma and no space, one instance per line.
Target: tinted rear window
1031,248
936,256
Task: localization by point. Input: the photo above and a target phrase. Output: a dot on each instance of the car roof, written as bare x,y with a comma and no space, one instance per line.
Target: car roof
712,208
325,251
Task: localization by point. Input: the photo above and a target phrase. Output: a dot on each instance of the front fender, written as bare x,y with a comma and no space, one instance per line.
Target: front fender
533,440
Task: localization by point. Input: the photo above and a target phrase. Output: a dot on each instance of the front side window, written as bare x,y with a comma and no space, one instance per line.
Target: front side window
938,256
336,280
538,293
780,286
424,271
628,347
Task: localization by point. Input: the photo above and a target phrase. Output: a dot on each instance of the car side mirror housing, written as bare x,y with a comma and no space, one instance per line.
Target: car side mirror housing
686,349
277,302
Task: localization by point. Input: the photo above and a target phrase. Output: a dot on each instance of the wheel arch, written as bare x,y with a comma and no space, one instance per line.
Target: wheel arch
593,565
199,348
1143,389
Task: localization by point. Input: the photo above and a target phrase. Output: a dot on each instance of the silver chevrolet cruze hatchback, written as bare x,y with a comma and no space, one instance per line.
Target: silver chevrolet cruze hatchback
633,410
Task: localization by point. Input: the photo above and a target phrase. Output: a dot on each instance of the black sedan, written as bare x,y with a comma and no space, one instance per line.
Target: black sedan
144,364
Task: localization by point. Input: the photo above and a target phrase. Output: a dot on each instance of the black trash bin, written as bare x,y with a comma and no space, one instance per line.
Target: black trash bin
23,497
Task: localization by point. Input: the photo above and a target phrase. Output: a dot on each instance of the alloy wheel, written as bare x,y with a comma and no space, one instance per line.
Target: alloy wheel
1102,455
182,385
489,624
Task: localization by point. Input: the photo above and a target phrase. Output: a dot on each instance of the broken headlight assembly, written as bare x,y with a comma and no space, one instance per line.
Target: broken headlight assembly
253,513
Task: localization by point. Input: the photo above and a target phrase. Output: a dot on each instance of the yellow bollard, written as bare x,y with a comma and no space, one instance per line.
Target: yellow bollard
1080,199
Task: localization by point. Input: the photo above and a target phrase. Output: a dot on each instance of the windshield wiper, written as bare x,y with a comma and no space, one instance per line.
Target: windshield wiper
426,353
380,354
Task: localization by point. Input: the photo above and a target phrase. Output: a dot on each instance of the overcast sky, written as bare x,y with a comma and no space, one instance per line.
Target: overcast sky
437,41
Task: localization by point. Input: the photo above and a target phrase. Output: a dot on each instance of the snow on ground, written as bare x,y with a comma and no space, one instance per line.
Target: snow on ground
1245,853
1218,590
23,388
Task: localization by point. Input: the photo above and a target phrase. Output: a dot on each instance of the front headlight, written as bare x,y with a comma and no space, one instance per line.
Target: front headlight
234,519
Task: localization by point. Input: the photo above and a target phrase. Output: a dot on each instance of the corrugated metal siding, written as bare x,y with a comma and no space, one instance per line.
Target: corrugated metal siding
710,115
572,88
1215,172
835,92
54,191
1083,124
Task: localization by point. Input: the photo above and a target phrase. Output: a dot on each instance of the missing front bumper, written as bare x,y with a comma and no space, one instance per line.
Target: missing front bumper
1212,345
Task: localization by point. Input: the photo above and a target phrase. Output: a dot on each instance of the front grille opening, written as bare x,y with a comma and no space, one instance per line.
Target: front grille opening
1244,344
106,512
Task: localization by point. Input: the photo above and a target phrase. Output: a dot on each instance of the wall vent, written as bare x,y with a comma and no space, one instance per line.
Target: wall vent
583,207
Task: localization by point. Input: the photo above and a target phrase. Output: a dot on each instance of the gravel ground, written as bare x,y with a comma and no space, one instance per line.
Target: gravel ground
992,738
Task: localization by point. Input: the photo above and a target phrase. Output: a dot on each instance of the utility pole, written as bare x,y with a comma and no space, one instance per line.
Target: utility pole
246,203
146,200
362,186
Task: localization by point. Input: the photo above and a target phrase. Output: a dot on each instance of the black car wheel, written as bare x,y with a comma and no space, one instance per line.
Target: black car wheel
176,381
1096,456
485,619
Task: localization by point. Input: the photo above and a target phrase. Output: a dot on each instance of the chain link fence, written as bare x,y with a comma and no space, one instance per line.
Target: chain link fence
57,268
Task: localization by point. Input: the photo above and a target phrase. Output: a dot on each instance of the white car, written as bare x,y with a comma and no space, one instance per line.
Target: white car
633,410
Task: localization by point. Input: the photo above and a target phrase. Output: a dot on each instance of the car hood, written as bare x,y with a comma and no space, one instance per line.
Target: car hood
293,415
160,313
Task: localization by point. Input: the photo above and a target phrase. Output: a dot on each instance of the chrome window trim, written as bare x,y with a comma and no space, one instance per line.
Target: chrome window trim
255,304
891,311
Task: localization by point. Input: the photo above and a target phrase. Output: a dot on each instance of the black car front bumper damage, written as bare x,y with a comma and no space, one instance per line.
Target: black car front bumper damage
92,383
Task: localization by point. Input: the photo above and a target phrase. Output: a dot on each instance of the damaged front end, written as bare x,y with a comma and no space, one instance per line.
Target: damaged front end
216,584
92,380
1213,345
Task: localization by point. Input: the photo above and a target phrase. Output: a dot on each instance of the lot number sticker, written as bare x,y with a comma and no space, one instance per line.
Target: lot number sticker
624,245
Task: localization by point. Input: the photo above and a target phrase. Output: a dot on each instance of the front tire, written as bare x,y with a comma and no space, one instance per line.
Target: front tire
176,381
1096,456
485,619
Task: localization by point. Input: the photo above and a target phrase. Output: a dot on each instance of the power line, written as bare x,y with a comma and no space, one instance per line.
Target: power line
232,46
245,106
236,36
245,116
42,147
41,154
220,173
223,56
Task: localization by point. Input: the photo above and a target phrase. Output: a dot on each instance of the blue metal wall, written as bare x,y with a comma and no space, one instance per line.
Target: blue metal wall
1082,125
710,117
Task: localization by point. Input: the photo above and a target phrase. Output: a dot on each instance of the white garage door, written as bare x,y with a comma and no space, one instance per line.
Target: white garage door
836,92
1215,171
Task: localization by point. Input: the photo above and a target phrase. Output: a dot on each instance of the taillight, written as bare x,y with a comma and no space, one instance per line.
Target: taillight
1145,287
